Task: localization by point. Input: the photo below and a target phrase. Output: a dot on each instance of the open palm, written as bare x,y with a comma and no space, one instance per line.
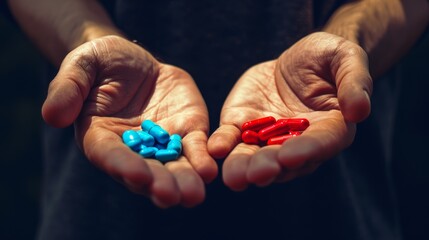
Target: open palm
323,78
110,85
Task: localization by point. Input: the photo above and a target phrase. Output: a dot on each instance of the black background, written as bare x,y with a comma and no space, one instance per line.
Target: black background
21,67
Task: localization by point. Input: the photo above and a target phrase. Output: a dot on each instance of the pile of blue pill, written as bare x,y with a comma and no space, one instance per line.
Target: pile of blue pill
153,142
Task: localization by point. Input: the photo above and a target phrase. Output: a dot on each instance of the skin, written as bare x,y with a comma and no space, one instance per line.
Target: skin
100,77
304,82
107,84
326,78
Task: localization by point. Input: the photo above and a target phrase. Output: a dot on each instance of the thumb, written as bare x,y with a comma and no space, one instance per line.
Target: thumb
70,87
354,85
223,140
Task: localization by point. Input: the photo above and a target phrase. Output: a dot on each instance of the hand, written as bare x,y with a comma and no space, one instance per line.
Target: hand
323,78
109,85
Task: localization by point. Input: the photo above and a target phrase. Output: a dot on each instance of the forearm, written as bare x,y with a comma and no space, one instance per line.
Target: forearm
385,29
57,27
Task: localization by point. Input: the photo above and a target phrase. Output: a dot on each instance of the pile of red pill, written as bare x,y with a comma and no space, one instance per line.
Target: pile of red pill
269,131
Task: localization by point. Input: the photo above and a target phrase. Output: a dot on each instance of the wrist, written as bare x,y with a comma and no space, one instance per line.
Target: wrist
385,29
94,23
93,31
345,21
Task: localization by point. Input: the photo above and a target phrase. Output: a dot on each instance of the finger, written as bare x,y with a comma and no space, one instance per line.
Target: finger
190,184
264,168
106,150
354,85
164,190
69,89
117,160
288,175
321,141
223,140
235,167
195,149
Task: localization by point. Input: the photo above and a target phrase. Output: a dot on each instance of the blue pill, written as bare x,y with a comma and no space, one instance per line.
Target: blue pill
166,155
175,143
156,131
148,151
132,139
146,138
176,137
160,146
147,125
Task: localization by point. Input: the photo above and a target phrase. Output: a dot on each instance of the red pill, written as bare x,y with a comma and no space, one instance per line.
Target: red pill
258,124
279,128
280,139
296,124
250,137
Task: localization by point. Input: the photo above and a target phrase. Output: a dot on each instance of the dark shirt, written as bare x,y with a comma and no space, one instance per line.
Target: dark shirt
349,197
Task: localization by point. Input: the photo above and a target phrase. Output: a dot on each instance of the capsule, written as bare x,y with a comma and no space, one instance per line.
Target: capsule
147,139
296,124
175,143
258,124
156,131
148,151
250,137
166,155
279,128
280,139
132,139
